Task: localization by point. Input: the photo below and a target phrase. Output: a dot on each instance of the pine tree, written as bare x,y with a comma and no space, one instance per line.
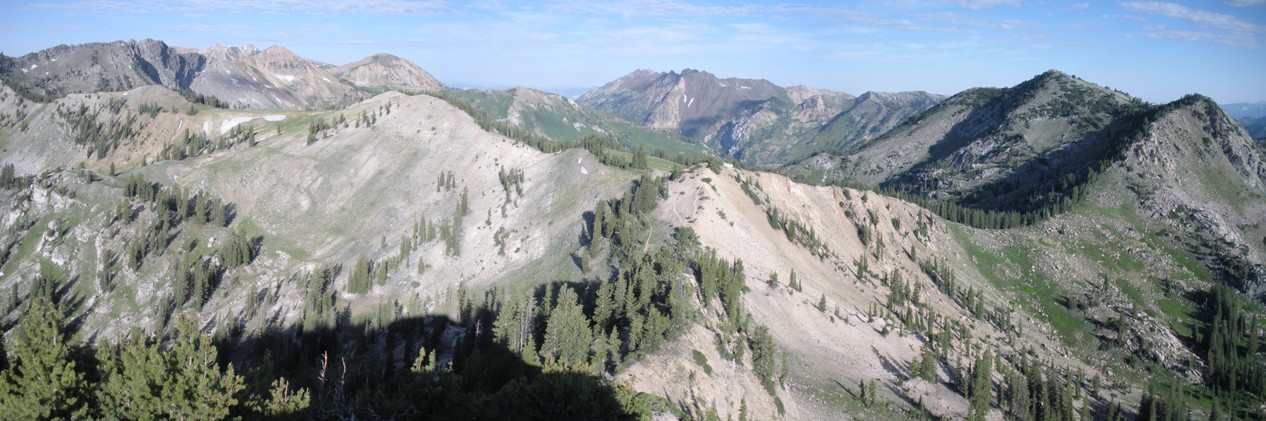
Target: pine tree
142,381
43,382
981,386
567,332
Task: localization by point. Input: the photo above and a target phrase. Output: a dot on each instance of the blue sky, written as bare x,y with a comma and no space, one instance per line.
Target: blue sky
1156,50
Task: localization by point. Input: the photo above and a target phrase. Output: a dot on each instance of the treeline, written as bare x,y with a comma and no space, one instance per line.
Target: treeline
198,98
197,143
97,137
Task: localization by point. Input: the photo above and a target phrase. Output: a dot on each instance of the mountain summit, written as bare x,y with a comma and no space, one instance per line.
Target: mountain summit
752,119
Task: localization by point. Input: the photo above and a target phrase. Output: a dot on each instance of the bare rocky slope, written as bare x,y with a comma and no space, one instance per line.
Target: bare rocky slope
753,119
241,77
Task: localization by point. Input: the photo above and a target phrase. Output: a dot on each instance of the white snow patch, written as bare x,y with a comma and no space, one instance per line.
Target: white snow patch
34,66
227,72
584,171
578,161
24,70
54,59
745,87
206,127
323,78
722,85
692,102
233,122
286,78
274,117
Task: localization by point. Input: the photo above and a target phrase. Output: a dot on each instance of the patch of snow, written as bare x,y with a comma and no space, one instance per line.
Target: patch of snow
578,161
728,165
206,127
24,70
584,171
286,78
253,79
274,117
54,59
34,66
745,87
233,122
227,72
323,78
125,94
692,101
722,85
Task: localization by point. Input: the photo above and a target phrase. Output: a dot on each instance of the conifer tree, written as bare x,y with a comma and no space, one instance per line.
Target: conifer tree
43,381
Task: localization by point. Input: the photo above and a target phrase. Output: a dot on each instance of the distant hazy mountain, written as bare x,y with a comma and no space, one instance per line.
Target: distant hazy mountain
1241,110
753,119
243,77
1256,127
561,119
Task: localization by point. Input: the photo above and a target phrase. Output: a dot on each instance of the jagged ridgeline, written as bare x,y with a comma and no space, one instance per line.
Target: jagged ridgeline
375,252
753,120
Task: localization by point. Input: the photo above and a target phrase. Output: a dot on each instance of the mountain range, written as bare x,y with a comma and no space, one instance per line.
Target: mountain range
241,77
362,241
754,120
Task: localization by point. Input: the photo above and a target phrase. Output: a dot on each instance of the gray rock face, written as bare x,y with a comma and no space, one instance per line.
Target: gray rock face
242,77
753,119
388,72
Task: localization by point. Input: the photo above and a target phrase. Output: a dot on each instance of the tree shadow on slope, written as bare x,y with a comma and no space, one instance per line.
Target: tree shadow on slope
428,367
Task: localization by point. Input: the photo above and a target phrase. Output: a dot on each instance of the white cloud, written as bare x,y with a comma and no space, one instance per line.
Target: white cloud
1199,17
1217,27
1247,3
646,8
985,4
1079,6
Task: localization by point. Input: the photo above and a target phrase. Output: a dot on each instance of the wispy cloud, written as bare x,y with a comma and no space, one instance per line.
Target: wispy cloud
1247,3
1217,27
985,4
